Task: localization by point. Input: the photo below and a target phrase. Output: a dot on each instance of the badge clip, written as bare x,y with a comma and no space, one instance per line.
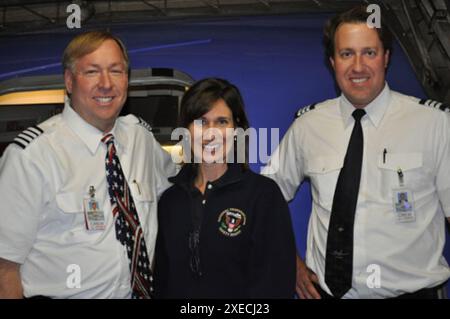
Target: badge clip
400,177
91,191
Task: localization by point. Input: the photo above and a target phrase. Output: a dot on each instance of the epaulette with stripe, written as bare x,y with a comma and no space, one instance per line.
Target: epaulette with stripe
304,110
144,124
27,136
435,104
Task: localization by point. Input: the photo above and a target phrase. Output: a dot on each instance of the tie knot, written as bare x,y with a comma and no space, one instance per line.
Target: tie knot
358,114
108,139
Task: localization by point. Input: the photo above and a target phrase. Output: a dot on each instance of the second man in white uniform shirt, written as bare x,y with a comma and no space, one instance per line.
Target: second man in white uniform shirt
417,141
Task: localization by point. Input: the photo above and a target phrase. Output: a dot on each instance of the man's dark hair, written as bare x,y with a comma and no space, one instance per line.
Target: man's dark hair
358,14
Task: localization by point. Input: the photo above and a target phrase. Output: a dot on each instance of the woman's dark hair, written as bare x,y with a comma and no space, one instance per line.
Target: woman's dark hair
200,98
358,14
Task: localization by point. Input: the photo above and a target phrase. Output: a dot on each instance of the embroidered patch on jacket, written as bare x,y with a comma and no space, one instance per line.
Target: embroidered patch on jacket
435,104
304,110
27,136
144,124
231,221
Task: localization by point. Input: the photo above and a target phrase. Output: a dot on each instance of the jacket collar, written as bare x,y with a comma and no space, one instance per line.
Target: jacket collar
185,178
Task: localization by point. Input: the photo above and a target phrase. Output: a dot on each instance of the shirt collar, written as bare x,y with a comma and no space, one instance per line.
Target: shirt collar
375,110
90,135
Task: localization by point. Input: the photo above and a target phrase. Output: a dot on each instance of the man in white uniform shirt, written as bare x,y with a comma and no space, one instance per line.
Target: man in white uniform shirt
57,230
397,248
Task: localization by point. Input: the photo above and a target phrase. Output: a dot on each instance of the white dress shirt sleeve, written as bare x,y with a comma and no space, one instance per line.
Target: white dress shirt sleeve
22,189
164,168
285,166
443,166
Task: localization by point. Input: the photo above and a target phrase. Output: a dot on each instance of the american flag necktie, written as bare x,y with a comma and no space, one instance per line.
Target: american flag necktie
128,228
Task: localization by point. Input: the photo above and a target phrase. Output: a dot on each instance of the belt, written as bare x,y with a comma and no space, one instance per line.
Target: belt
36,297
425,293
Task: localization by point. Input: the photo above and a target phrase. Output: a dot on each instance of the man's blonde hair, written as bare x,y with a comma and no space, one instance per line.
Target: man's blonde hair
86,43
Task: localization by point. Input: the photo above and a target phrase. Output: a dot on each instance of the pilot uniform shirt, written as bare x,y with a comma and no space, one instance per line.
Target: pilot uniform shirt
390,258
45,177
246,245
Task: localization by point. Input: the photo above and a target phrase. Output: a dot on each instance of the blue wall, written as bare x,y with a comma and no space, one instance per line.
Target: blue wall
276,61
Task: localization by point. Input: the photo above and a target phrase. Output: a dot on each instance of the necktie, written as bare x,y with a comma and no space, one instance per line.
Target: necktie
339,255
128,229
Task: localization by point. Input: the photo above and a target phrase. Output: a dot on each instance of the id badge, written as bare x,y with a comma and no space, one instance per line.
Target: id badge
403,205
93,215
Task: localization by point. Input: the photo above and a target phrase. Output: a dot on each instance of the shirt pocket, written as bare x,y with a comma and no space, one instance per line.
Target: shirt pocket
71,217
141,191
415,177
144,201
324,172
70,202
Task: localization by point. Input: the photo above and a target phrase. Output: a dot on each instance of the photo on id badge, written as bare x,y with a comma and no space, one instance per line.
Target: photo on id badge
95,214
402,204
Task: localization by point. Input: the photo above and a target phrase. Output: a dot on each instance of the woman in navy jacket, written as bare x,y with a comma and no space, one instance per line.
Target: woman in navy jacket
224,231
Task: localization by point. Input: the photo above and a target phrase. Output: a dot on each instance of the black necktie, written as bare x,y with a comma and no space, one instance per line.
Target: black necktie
339,257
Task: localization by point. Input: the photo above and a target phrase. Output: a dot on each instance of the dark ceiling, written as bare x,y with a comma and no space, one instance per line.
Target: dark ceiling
422,27
18,15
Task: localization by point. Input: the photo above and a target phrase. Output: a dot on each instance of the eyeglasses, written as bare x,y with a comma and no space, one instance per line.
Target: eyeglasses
194,246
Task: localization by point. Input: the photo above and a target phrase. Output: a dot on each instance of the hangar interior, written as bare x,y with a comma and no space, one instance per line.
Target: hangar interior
271,49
